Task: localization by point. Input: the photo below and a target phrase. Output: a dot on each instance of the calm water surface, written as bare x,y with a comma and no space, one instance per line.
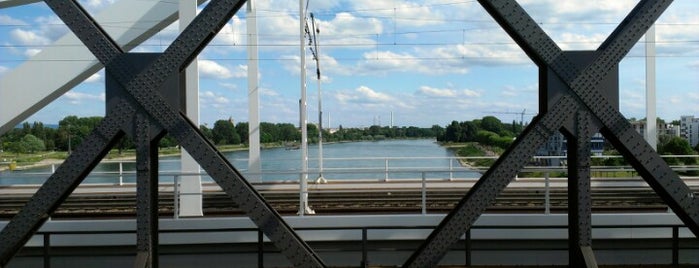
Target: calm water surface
351,160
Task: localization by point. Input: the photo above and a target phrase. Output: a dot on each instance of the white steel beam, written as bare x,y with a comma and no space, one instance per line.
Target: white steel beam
190,186
651,134
254,161
65,64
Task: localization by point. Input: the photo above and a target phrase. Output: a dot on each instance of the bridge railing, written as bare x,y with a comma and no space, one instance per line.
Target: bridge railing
361,234
123,171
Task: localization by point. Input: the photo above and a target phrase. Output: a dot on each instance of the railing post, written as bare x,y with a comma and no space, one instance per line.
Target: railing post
47,250
385,170
424,194
121,173
547,194
176,197
675,246
365,262
451,169
467,247
260,249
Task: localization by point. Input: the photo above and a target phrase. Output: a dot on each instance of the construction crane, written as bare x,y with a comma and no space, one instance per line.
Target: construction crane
521,114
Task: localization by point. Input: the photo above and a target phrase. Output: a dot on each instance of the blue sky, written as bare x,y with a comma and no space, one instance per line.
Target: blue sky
426,61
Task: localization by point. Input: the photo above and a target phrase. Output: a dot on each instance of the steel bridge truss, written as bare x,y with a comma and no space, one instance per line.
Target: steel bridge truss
578,96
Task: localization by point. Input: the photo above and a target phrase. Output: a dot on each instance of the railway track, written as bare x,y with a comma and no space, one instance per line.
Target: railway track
350,200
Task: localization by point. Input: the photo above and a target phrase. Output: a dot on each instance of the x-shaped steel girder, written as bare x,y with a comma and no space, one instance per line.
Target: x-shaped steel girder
142,88
584,95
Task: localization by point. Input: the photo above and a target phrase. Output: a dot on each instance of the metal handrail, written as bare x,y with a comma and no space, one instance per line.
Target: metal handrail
467,240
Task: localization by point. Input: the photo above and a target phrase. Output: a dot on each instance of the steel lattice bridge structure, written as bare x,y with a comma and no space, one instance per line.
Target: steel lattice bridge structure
578,96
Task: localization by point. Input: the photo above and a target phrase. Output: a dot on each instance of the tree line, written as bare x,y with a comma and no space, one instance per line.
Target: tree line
225,132
71,130
488,130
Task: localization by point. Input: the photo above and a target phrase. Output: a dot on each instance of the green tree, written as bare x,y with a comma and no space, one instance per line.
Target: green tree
453,132
224,133
242,129
206,131
469,131
492,124
438,132
677,146
33,144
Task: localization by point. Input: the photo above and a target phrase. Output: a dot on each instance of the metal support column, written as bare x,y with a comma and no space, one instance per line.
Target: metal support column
146,194
191,199
254,161
579,202
651,133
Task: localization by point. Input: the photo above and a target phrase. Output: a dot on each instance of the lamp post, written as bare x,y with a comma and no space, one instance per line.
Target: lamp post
316,57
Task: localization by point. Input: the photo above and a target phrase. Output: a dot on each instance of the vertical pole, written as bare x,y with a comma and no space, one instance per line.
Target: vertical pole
47,250
121,173
191,200
365,262
467,247
303,180
451,169
547,194
675,246
176,197
385,170
320,179
316,30
424,194
651,134
260,247
254,162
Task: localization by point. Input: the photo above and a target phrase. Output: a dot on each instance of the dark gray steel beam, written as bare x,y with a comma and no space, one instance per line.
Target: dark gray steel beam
59,185
484,192
147,193
584,83
141,87
579,202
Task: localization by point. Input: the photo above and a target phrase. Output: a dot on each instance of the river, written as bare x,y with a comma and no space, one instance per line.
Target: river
345,160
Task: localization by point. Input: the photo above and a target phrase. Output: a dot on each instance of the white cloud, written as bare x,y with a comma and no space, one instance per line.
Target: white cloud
213,70
366,96
268,92
28,37
694,96
232,34
3,69
31,52
75,97
95,5
403,13
7,20
447,93
210,98
97,77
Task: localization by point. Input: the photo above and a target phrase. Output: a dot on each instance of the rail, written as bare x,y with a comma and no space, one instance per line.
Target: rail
466,240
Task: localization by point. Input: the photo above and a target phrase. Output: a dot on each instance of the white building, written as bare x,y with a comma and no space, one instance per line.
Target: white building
663,129
689,129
